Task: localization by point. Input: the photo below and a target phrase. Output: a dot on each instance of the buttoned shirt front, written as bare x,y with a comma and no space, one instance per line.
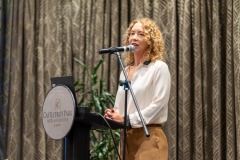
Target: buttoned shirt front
151,86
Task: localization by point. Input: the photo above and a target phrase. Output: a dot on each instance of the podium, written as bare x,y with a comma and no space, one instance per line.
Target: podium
62,119
76,143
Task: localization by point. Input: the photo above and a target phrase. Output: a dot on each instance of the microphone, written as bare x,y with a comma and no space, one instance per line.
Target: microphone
111,50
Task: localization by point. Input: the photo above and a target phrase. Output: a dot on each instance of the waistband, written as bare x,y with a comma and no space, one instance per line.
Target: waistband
155,125
130,130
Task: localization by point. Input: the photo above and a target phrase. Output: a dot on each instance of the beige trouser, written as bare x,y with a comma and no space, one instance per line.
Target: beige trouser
140,147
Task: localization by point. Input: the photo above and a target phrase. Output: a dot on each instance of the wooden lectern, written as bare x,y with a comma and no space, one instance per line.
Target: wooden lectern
76,143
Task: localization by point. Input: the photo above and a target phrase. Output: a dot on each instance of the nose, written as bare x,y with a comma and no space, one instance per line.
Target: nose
135,36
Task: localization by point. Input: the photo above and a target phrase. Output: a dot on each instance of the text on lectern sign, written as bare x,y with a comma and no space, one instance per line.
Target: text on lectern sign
58,112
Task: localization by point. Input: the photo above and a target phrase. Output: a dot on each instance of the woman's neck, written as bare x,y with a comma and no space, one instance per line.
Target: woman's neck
138,60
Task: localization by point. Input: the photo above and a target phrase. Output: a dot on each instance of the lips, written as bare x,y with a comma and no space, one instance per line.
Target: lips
134,44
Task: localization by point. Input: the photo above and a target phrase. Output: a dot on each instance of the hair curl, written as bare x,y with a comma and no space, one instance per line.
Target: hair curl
153,37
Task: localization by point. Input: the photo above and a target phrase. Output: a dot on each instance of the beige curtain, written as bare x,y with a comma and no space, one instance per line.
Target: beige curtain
202,47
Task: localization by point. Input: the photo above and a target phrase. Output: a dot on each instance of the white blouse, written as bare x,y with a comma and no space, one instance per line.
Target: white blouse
151,86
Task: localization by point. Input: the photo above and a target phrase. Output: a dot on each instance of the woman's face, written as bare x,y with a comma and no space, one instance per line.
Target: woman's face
137,38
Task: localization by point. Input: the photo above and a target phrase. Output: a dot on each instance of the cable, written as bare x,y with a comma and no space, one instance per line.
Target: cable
115,146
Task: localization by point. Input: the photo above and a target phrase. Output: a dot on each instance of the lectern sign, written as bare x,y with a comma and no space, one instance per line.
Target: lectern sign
58,112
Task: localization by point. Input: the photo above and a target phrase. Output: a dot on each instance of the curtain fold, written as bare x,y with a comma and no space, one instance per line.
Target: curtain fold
40,39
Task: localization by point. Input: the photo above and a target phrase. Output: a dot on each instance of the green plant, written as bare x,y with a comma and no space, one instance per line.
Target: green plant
94,96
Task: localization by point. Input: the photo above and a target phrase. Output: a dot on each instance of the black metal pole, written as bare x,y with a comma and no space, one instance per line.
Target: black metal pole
125,120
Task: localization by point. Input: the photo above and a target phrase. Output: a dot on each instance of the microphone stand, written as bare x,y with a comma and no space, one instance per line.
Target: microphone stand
127,86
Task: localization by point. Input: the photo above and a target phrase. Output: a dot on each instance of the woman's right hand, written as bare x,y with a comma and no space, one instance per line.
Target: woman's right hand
113,115
108,113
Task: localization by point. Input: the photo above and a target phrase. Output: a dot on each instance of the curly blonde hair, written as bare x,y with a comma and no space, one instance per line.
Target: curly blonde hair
153,37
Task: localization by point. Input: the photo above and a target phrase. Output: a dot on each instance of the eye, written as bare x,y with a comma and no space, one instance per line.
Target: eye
141,34
131,33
